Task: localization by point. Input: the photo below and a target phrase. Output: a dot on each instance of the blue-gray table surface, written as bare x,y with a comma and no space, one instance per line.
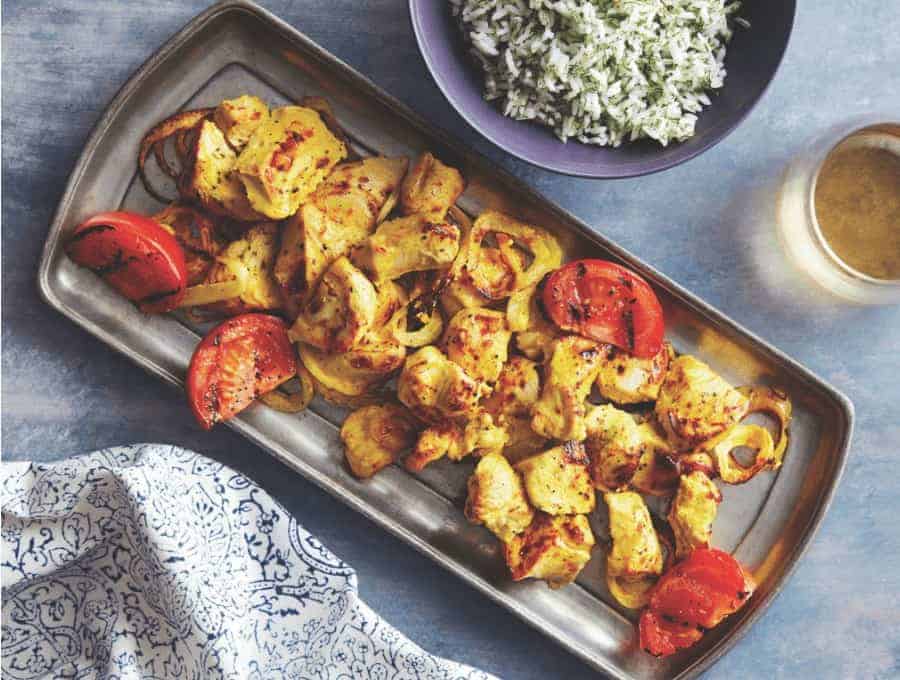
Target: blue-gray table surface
707,224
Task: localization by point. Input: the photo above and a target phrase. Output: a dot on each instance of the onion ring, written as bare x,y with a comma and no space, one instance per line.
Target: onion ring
631,594
774,402
543,247
752,436
293,402
183,120
159,153
428,333
210,293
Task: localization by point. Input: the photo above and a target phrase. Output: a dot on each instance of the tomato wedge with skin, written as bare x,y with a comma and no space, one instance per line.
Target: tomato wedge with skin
661,637
694,595
238,360
605,302
135,255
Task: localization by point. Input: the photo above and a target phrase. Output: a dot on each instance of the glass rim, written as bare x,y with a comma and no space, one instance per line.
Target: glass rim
814,219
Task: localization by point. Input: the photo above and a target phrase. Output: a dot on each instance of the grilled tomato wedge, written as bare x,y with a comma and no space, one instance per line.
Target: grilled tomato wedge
605,302
238,360
693,596
133,254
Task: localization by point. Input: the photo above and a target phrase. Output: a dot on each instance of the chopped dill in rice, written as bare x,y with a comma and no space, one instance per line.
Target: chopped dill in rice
601,71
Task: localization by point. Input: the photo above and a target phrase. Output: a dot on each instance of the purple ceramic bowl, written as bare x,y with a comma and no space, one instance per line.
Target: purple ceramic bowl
751,62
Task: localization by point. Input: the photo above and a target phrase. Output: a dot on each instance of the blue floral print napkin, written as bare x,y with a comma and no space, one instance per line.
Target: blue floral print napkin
150,561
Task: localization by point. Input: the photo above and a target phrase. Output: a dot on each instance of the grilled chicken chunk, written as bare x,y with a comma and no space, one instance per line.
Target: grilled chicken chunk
696,404
516,390
626,379
436,389
340,214
635,546
521,441
250,257
407,244
480,435
558,481
615,446
285,159
693,512
552,548
374,436
478,341
430,188
339,312
568,375
238,119
657,471
625,453
211,179
496,498
435,442
635,559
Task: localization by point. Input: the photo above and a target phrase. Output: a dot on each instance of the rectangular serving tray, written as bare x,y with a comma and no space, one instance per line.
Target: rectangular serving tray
236,47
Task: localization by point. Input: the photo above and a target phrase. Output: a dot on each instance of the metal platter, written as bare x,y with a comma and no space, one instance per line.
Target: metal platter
236,47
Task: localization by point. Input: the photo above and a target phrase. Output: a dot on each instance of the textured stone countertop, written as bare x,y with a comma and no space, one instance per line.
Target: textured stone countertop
707,224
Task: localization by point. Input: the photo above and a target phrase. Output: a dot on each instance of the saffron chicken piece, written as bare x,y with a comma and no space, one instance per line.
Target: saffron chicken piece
615,445
285,159
407,244
693,512
435,442
478,341
695,404
558,480
516,390
346,377
494,273
627,454
521,441
480,436
496,498
430,188
210,177
436,389
514,394
568,376
374,436
626,379
552,548
340,311
635,559
249,258
339,215
657,471
238,119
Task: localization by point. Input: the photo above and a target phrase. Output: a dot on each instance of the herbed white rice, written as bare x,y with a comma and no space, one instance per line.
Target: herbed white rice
601,71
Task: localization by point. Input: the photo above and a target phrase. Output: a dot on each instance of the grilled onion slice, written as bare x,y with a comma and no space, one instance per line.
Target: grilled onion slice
774,402
751,436
292,402
157,135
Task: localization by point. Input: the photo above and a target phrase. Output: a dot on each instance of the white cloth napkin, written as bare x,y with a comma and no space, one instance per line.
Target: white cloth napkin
150,561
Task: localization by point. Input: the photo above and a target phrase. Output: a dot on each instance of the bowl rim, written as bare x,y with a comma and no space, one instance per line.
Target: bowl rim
714,136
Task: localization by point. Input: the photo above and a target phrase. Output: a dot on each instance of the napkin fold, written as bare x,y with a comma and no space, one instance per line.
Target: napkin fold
150,561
